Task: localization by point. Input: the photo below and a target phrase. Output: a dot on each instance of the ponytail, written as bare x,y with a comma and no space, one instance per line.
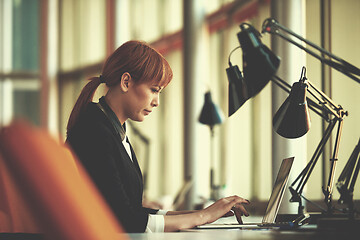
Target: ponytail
85,97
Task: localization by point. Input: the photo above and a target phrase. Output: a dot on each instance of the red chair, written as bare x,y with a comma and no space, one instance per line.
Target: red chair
45,190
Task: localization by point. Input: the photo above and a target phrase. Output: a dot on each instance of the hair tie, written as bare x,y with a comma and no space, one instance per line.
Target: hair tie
102,80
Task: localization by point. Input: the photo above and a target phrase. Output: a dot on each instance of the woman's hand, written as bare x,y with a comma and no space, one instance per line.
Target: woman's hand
222,208
228,206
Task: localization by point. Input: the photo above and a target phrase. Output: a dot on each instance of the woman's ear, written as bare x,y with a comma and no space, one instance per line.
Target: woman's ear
125,81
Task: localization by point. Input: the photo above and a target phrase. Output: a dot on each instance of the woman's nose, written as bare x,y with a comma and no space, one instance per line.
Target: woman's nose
156,101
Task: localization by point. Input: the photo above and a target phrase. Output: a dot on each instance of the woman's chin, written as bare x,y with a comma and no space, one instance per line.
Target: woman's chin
138,119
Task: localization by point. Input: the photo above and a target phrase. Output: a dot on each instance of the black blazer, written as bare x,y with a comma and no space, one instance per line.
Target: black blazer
99,148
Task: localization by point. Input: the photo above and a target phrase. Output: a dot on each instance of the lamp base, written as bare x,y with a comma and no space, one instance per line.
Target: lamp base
325,222
312,217
339,224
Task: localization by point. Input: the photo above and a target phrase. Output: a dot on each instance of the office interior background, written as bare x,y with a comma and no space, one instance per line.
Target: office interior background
49,48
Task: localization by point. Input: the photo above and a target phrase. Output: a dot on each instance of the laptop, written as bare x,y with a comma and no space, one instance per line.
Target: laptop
273,204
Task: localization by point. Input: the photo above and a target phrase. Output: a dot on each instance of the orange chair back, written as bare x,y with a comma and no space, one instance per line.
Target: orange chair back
15,214
47,191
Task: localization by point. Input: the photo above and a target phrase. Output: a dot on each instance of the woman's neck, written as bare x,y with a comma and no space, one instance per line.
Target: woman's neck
114,105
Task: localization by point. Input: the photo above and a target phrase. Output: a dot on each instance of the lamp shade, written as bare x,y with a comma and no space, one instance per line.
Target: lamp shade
238,93
210,113
259,62
259,66
292,120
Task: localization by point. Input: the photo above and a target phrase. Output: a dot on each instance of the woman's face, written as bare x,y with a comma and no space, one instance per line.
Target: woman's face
141,100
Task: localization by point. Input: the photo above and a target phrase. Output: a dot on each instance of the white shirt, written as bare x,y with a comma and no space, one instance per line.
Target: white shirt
156,222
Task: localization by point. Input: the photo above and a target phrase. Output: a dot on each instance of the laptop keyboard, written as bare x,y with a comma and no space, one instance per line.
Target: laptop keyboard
280,225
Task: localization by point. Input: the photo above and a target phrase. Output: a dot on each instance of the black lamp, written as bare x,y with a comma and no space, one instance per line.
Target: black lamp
273,27
238,93
259,66
292,120
324,107
211,115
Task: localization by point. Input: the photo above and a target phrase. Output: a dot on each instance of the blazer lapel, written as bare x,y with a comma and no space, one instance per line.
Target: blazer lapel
135,161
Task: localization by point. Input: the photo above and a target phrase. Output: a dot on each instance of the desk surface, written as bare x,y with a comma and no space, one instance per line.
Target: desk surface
268,234
308,232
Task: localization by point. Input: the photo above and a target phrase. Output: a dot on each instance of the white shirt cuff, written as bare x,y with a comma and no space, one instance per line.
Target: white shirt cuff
156,223
162,212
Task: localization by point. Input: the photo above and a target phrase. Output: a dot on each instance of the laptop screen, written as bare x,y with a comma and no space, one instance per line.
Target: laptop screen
278,191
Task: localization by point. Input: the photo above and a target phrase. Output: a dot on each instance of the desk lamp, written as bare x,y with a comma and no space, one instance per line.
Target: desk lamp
211,115
329,110
255,56
292,121
297,105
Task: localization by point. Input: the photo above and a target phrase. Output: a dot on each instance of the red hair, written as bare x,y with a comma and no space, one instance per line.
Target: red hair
141,61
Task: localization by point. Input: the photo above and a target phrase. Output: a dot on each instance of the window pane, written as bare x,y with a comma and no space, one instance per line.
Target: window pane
25,35
82,32
26,105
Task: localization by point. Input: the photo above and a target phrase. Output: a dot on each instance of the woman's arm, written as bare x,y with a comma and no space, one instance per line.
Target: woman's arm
180,212
190,219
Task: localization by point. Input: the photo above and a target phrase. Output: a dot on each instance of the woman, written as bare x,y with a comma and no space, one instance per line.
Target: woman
135,74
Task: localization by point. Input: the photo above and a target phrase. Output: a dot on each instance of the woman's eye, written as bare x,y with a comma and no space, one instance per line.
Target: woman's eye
155,90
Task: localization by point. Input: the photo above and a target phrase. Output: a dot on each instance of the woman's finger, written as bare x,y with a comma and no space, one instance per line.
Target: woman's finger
239,211
238,217
229,214
238,199
240,208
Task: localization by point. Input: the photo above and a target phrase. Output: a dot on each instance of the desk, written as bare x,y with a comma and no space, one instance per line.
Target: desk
306,233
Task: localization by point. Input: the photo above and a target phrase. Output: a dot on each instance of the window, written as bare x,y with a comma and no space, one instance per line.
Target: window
19,61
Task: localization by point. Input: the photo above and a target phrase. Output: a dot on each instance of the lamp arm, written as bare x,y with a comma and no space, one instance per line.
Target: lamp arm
281,83
354,176
329,188
324,97
271,26
347,179
305,174
297,186
325,102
